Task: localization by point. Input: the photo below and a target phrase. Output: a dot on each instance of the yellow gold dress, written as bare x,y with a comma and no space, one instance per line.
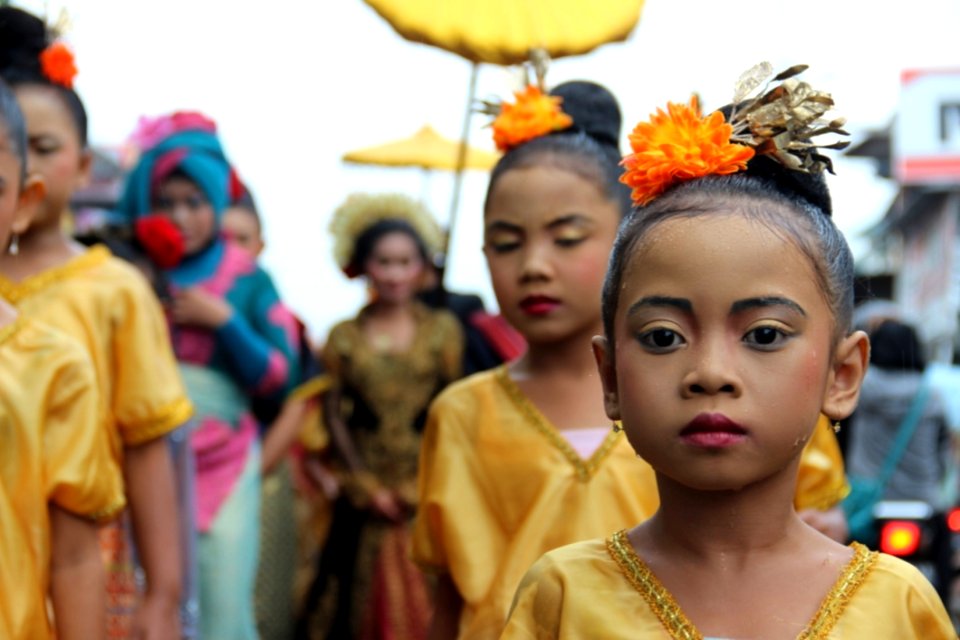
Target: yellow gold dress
602,589
109,307
53,451
500,486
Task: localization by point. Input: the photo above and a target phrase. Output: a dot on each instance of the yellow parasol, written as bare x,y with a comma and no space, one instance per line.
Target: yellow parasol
504,31
426,149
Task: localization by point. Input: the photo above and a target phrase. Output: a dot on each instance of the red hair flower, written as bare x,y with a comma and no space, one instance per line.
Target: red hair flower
58,65
533,114
161,239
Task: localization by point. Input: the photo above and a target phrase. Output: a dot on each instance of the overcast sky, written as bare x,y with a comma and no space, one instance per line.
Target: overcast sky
295,84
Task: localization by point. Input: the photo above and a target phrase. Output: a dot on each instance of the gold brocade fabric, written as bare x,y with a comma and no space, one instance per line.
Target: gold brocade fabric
396,388
875,596
383,394
53,452
109,307
500,486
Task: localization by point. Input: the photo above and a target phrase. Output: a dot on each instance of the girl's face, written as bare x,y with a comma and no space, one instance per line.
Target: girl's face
240,226
547,238
55,153
18,197
395,268
724,353
185,204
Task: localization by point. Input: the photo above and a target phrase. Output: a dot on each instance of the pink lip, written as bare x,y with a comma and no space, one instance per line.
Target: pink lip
713,431
538,305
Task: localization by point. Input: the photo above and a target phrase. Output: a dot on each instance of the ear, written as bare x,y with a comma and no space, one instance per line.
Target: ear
849,366
85,169
31,196
603,352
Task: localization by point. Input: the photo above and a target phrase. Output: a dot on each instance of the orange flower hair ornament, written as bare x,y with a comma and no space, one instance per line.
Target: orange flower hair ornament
58,65
681,144
534,114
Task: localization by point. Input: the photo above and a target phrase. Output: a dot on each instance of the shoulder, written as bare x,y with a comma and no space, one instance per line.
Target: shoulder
440,321
901,575
584,566
467,395
42,348
903,600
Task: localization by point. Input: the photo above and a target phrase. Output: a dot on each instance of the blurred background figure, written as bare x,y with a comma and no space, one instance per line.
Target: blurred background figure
387,364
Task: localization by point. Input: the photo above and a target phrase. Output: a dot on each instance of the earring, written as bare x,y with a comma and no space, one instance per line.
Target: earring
14,247
617,426
836,426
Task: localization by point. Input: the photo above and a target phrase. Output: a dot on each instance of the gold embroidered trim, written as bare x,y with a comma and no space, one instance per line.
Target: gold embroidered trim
836,601
585,468
657,597
672,618
14,292
169,418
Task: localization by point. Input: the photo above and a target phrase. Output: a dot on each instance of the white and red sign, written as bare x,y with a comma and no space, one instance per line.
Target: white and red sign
926,140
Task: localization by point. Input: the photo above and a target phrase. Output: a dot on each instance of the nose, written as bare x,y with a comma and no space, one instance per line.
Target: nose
537,263
713,371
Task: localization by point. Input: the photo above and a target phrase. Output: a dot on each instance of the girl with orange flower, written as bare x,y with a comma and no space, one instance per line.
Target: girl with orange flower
106,304
520,460
719,366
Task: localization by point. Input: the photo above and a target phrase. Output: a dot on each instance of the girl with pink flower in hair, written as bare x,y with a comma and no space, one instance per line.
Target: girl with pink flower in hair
234,341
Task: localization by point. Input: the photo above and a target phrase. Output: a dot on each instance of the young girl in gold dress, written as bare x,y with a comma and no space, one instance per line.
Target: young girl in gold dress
386,364
726,333
58,480
522,459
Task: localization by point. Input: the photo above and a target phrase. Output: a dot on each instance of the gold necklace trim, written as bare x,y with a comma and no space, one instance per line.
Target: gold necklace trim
659,600
835,602
585,468
671,616
14,292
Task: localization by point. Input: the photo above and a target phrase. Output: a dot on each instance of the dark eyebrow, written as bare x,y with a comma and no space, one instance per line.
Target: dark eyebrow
767,301
501,225
661,301
573,218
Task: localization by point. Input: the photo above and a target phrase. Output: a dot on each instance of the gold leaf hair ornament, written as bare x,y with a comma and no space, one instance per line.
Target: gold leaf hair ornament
535,112
781,122
361,211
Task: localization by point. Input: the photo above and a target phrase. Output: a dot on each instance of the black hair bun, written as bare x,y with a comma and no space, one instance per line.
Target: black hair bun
594,110
811,187
23,37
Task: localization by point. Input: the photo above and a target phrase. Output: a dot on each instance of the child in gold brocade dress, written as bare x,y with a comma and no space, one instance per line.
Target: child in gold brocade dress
726,333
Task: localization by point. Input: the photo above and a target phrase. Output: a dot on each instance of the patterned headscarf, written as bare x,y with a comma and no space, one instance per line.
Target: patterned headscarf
184,141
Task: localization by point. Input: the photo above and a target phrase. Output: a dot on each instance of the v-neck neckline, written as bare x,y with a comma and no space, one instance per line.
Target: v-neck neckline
585,468
676,623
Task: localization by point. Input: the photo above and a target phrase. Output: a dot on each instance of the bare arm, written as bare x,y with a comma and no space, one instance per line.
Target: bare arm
282,434
151,492
77,581
446,614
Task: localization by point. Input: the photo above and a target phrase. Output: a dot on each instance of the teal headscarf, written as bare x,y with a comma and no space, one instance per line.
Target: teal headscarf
196,152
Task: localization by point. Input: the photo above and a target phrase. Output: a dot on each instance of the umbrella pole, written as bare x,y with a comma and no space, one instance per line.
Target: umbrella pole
461,163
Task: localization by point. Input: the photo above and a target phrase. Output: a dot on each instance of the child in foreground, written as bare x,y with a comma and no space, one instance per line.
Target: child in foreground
57,476
726,313
522,459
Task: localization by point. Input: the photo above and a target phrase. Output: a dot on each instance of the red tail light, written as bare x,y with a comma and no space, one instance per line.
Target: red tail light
953,520
900,538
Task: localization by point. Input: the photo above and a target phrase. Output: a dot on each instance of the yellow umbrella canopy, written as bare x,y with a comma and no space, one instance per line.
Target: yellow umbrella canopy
504,31
426,149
